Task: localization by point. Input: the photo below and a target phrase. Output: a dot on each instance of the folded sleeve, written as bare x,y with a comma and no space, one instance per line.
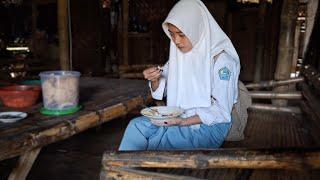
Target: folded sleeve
160,92
223,91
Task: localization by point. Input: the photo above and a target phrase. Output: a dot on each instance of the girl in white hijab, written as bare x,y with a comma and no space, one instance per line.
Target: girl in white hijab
200,77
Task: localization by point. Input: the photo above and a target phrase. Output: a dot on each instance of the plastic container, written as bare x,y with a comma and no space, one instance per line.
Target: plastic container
19,96
60,89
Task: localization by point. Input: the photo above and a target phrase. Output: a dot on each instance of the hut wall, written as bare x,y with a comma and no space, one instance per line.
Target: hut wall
87,43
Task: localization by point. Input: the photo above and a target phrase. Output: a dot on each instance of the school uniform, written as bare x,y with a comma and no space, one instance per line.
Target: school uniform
195,82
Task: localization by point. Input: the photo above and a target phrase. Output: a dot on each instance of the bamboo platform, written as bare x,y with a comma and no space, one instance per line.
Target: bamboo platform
265,130
103,100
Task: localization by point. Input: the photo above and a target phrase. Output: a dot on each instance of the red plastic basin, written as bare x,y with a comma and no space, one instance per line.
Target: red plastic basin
19,96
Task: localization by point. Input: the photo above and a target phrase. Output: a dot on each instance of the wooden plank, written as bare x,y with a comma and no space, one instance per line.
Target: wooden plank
24,165
296,159
129,173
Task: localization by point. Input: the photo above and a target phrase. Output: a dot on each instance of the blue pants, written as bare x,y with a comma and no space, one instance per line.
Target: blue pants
141,134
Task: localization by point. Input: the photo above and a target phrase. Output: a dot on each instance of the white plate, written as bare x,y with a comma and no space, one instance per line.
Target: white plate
12,116
158,114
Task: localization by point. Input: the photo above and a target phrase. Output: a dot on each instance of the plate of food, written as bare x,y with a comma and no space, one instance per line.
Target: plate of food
159,114
12,116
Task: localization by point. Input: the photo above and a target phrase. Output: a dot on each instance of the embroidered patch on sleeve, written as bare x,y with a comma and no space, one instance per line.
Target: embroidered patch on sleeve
224,74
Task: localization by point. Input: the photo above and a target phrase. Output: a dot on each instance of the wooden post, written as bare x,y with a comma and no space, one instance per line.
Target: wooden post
24,165
63,34
260,34
286,45
125,22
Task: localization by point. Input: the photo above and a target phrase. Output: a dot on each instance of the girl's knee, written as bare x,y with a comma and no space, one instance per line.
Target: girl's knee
138,120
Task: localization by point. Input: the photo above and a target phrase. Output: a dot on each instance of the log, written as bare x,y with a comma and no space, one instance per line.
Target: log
274,95
286,45
269,107
24,165
63,34
297,159
129,173
273,83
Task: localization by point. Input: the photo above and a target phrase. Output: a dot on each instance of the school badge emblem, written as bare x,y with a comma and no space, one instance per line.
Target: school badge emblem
224,74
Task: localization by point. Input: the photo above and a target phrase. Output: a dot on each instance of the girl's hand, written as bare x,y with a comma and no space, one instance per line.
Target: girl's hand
152,74
173,122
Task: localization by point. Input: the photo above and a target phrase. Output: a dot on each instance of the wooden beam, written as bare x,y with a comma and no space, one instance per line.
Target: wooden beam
289,16
298,159
24,165
63,34
273,83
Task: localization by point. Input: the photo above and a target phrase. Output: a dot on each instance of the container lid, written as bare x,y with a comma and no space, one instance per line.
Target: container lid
59,73
30,82
63,112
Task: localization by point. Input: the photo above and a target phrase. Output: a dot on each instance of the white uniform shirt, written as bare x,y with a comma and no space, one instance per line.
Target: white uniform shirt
223,91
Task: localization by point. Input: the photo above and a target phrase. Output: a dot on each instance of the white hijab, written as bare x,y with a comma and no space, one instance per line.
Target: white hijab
189,84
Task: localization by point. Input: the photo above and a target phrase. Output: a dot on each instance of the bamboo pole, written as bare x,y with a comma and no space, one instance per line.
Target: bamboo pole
219,158
286,45
275,95
24,165
269,107
272,83
63,34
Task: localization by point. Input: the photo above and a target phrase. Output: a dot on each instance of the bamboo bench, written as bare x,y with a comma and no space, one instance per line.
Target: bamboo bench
276,144
103,99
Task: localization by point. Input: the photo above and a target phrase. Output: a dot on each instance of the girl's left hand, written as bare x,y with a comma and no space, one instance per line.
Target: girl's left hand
173,122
